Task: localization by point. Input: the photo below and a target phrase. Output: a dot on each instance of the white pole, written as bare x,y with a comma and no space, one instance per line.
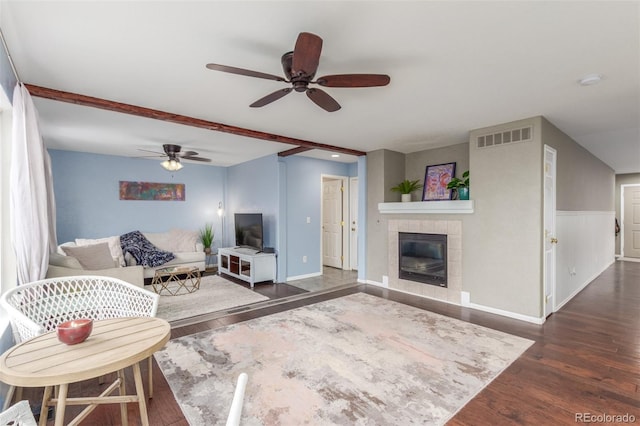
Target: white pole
238,398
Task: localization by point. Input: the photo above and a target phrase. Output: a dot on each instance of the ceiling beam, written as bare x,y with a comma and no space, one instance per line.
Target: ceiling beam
293,151
74,98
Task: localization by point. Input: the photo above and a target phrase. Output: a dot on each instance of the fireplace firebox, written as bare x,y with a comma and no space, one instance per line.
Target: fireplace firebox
423,258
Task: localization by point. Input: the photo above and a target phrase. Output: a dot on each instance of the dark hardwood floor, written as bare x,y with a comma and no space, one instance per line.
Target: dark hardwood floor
585,359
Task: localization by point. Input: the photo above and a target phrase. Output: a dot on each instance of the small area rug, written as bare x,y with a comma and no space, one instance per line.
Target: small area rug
215,294
358,359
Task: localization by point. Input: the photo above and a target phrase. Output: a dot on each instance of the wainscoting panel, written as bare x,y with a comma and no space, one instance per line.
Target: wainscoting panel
586,247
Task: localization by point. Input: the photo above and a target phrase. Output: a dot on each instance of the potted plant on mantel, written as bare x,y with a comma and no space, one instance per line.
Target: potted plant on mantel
461,186
206,237
406,187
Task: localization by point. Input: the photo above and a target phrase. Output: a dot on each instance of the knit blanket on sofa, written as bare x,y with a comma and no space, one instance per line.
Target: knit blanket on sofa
143,251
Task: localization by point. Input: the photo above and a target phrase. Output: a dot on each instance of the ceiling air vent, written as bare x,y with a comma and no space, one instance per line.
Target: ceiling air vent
522,134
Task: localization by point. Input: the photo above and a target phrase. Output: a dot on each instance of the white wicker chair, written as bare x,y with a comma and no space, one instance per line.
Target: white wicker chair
38,307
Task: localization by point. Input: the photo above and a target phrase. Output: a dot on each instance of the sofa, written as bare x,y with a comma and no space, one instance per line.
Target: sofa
61,265
186,247
105,257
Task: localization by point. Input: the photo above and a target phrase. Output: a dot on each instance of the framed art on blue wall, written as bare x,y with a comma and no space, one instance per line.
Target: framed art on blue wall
436,179
152,191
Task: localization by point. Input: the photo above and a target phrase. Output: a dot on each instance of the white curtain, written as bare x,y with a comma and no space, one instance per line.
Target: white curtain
32,203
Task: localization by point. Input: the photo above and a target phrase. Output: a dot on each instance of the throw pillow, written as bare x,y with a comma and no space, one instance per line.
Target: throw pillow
92,257
145,253
183,240
67,244
162,240
114,246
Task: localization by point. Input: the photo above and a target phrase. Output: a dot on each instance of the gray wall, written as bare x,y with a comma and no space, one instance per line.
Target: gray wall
502,239
584,183
502,255
417,162
625,179
385,169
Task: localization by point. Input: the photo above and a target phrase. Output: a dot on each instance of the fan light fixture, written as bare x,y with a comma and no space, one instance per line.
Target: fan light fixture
590,80
172,164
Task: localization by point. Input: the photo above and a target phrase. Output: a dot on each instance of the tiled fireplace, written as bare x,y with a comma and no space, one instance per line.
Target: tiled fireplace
451,230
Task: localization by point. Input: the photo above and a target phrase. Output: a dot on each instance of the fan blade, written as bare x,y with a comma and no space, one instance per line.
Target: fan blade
188,154
206,160
306,55
354,80
241,71
153,152
271,97
323,100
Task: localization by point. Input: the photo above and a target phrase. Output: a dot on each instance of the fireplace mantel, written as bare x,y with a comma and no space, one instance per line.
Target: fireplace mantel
428,207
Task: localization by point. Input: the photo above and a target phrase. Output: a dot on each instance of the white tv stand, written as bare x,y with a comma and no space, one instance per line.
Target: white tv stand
247,264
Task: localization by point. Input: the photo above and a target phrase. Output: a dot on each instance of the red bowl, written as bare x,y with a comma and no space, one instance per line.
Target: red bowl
74,331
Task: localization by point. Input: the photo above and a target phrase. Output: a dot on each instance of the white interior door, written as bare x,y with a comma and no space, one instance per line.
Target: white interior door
332,223
631,221
549,225
353,223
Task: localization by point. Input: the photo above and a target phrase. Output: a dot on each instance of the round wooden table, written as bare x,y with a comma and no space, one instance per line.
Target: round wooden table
113,345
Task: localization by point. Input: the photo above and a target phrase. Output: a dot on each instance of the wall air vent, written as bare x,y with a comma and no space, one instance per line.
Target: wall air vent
522,134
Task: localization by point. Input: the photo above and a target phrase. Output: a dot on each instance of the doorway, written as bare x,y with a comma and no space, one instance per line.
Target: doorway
335,213
549,226
353,223
630,221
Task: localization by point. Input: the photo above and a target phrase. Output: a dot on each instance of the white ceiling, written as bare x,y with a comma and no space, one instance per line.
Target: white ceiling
454,66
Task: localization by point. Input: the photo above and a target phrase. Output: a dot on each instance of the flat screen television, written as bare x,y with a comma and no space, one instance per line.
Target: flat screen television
249,230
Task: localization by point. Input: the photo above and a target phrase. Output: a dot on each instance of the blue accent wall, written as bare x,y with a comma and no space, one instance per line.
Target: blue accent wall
253,188
303,191
285,190
86,188
7,84
8,79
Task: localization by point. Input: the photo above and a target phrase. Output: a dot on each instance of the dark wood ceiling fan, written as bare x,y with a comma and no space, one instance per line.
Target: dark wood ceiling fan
300,67
174,152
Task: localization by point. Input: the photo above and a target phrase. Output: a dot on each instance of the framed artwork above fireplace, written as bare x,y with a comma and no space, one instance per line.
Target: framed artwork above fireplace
436,179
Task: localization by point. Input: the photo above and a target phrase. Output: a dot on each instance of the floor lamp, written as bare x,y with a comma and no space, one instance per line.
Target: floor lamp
221,215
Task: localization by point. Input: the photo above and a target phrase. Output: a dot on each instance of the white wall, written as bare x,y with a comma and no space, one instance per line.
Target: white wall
585,249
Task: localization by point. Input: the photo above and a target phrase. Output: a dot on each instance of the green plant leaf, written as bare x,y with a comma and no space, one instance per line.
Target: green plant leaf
456,183
206,235
407,186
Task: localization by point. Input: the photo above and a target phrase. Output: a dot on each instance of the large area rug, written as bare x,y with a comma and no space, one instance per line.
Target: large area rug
358,359
215,294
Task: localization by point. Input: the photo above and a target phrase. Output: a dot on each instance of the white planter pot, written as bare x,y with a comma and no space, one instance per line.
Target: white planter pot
406,198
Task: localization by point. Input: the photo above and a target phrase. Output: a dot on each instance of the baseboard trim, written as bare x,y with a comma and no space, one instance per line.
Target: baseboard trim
483,308
379,284
302,277
582,287
508,314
